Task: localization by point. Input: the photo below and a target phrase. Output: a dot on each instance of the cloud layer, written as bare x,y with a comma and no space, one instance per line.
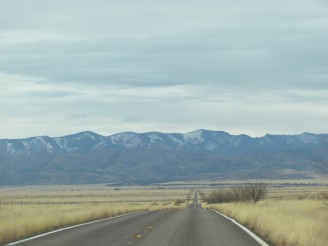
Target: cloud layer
245,67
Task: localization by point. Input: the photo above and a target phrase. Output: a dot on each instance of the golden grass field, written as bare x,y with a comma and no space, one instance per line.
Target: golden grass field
293,216
27,211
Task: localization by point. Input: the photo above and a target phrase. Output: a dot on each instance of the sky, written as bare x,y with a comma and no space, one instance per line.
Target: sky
108,66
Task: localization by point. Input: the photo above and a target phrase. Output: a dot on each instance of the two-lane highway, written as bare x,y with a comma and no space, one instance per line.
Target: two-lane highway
195,203
192,226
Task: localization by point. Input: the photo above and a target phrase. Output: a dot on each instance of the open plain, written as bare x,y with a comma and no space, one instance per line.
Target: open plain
26,211
292,213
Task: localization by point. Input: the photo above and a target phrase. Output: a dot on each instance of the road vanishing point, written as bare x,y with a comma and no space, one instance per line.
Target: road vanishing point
192,226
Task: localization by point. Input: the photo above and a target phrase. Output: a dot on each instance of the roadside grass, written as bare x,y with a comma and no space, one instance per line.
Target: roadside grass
19,222
32,211
284,219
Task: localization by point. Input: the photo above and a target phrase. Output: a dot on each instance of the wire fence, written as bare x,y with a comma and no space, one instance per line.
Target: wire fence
51,203
15,203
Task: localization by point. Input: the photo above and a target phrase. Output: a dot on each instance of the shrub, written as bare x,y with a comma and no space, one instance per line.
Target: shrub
178,202
248,193
256,192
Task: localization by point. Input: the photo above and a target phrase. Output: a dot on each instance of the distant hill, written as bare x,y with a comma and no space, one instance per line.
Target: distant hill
87,157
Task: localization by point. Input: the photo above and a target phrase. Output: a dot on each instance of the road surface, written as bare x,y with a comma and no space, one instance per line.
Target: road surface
195,203
192,226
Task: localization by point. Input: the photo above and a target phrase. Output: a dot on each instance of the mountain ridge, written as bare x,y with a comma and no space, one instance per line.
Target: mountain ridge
88,157
147,139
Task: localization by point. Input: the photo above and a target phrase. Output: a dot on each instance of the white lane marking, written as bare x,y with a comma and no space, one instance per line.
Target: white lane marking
67,228
257,238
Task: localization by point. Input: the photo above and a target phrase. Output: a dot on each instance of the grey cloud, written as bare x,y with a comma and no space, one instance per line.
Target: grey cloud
157,65
181,59
77,116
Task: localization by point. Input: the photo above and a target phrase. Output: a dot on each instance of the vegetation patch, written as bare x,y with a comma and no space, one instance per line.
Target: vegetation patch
33,210
248,193
285,217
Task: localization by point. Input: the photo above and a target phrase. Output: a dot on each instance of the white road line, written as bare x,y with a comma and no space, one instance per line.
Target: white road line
257,238
67,228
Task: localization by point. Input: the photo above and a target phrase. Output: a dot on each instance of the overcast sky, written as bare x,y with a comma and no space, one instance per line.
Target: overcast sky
252,67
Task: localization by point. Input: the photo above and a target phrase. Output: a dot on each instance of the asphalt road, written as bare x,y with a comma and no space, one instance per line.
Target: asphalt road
190,227
195,203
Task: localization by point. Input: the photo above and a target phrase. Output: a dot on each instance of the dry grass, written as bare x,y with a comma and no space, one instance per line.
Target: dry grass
33,210
290,216
19,222
88,194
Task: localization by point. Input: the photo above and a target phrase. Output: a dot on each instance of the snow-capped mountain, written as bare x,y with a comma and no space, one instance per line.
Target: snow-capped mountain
197,140
87,157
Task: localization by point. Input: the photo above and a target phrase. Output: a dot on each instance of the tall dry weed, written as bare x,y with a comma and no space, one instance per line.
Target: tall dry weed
283,222
19,222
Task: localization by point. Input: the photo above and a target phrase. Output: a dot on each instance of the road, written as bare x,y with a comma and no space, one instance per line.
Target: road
192,226
195,203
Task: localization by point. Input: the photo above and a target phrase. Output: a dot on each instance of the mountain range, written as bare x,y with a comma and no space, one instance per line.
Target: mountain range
87,157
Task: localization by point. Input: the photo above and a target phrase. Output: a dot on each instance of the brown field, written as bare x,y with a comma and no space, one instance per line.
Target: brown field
26,211
294,215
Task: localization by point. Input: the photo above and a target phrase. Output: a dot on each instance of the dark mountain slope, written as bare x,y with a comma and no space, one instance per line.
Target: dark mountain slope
154,157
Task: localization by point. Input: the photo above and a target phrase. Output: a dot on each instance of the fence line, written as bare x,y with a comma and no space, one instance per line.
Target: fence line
12,203
46,203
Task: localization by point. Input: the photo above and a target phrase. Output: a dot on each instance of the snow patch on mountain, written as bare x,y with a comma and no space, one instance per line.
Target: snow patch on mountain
194,136
122,138
26,144
89,135
215,141
63,144
10,148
